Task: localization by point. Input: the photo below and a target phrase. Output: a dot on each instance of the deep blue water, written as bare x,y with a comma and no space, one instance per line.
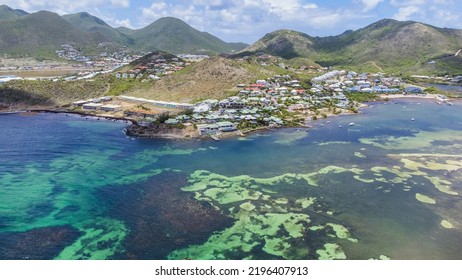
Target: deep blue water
76,188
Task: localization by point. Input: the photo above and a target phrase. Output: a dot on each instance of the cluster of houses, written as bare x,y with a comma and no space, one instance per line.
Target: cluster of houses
260,104
268,102
154,69
263,103
343,81
69,52
103,60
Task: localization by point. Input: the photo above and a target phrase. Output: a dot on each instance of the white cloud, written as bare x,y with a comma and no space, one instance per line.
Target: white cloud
121,3
310,6
370,4
208,2
155,10
406,13
406,3
248,20
441,13
123,22
64,6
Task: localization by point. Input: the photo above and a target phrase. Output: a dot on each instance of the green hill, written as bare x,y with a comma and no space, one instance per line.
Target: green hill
9,13
39,34
166,34
390,44
175,36
153,58
387,45
89,23
284,43
126,31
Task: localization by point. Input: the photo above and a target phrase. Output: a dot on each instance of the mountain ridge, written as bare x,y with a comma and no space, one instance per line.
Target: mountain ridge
89,23
388,44
40,34
165,34
7,13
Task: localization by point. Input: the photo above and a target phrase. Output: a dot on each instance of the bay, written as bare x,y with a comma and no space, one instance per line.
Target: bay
386,187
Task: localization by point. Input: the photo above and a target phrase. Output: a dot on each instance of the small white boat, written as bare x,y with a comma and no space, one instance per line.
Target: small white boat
412,119
352,123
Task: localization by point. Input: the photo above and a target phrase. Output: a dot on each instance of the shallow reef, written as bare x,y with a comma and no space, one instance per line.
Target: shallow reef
37,244
267,225
166,217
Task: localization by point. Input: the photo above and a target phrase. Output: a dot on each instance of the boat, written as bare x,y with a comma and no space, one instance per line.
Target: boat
412,119
351,124
215,137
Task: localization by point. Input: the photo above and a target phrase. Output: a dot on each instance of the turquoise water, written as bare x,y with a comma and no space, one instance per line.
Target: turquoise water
387,187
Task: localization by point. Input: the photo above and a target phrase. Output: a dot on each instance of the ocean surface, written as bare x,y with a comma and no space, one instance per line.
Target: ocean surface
388,186
449,88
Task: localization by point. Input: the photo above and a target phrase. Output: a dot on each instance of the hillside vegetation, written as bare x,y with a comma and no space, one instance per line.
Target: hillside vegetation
89,23
387,45
40,34
175,36
211,78
7,13
49,93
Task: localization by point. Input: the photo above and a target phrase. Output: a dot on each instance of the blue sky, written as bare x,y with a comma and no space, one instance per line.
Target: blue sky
249,20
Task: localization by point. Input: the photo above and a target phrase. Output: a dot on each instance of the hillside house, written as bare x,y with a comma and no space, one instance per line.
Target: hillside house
413,90
91,106
111,108
232,104
226,126
171,121
205,129
80,102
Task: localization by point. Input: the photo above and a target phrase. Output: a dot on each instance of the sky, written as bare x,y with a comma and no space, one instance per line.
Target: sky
249,20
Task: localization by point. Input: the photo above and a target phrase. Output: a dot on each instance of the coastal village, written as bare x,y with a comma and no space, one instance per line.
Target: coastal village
276,101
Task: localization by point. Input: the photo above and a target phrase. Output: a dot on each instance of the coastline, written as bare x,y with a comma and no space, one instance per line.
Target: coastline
187,132
400,96
82,114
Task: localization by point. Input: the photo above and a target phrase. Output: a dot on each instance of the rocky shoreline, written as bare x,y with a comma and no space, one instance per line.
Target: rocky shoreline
155,130
184,131
96,116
